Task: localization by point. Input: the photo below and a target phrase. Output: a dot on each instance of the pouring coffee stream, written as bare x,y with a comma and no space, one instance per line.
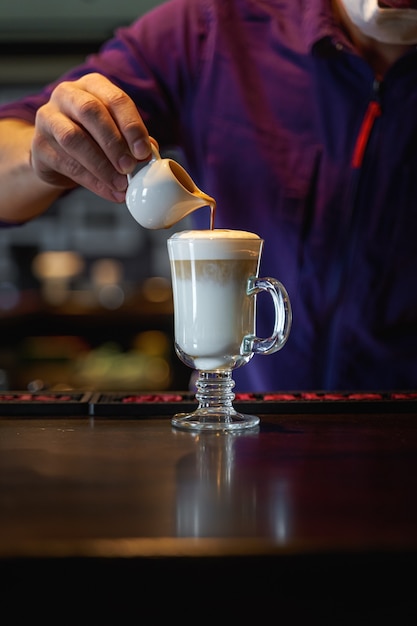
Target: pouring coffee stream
162,193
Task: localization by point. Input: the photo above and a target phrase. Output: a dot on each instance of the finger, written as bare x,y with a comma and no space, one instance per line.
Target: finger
83,178
80,116
111,117
66,147
54,163
124,112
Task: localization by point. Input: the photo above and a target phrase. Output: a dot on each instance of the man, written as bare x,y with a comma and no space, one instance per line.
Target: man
298,116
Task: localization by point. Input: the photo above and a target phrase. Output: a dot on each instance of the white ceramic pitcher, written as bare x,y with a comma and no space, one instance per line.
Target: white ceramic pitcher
162,193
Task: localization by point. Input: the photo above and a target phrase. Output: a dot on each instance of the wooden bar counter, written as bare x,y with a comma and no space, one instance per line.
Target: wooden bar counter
312,516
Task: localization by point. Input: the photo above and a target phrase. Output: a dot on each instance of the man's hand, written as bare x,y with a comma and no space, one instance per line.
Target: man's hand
90,134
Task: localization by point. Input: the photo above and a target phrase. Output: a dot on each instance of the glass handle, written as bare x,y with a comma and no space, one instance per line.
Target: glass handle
283,317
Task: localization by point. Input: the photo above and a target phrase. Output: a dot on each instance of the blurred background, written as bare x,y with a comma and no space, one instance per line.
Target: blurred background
85,294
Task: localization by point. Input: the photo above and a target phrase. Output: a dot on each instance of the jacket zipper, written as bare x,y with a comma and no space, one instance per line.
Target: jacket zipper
372,113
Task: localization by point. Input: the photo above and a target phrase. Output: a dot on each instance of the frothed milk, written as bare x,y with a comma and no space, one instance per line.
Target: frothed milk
212,311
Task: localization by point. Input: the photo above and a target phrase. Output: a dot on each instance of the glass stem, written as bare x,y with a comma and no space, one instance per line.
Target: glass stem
215,390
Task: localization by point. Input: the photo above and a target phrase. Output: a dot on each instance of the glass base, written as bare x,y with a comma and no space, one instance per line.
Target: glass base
215,410
205,420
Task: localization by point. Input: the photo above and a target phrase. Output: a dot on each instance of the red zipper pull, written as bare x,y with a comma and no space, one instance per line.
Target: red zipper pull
373,111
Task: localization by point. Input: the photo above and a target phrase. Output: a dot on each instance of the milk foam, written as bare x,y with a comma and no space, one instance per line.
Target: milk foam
215,244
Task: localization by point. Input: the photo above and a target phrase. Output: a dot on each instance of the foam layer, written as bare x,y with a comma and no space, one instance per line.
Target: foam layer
216,233
214,244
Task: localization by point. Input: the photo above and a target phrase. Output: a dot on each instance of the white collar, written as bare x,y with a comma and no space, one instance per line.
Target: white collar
388,25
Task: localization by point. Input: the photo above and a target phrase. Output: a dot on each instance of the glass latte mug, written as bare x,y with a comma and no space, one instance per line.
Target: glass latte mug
215,282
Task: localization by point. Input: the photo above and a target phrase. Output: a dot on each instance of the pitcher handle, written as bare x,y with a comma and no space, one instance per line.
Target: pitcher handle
155,157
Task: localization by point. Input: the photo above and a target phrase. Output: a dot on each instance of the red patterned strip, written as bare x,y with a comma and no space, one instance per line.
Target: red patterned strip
245,397
28,397
152,398
404,396
280,396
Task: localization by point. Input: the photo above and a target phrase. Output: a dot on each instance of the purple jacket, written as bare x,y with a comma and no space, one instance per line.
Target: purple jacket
283,124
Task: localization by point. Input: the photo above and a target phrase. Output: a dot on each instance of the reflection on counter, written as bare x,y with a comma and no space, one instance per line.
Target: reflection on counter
216,497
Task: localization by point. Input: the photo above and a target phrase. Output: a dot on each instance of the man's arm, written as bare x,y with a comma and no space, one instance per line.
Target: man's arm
23,195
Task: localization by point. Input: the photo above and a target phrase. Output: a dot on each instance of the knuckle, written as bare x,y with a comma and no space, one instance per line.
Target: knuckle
61,91
60,87
89,109
117,99
71,167
42,116
69,137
